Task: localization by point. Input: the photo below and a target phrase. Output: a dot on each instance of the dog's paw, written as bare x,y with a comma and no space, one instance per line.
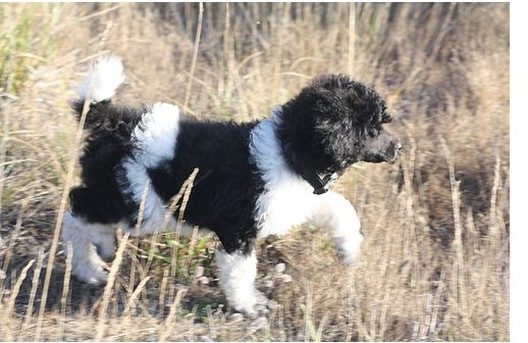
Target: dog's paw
93,274
98,279
349,252
107,253
105,246
349,260
253,305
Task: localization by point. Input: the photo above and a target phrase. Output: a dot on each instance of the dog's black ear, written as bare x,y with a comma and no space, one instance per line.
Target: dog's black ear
340,97
312,118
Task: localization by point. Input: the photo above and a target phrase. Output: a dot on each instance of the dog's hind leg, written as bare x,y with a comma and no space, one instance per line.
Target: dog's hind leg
238,271
337,214
90,244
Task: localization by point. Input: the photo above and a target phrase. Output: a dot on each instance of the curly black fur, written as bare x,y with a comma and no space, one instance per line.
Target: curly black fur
333,123
107,142
226,186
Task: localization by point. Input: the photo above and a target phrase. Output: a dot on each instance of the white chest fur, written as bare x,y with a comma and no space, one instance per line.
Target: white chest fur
287,199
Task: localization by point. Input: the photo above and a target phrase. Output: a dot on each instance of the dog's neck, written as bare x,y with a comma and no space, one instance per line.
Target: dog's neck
320,182
320,185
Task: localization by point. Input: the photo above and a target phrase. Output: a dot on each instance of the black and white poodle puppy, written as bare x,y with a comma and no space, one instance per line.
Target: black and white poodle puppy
255,179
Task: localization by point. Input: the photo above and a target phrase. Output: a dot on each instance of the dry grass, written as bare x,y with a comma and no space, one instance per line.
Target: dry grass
435,261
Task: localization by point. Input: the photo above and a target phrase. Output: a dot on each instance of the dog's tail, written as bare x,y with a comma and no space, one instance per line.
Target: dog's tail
104,76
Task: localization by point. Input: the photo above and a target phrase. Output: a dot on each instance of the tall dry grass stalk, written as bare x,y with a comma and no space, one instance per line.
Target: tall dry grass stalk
109,288
64,200
195,56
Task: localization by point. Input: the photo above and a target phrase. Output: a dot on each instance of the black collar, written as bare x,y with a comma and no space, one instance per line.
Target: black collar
319,185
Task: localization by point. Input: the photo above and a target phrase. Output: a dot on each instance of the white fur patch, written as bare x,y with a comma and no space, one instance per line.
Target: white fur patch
287,199
155,136
337,214
237,278
154,140
103,78
154,209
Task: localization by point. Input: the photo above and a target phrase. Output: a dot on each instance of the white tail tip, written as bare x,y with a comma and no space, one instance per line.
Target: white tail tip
103,78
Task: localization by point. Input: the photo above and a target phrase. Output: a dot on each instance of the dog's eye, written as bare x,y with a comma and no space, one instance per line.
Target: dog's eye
373,132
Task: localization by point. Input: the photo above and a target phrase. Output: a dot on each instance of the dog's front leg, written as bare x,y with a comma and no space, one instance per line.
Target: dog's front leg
337,214
238,271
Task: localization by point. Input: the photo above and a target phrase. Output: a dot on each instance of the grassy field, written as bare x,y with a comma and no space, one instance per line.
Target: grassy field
434,265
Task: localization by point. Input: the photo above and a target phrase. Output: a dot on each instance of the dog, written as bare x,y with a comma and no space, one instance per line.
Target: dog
254,179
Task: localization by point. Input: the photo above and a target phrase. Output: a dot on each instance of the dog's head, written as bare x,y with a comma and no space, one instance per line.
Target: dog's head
334,122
